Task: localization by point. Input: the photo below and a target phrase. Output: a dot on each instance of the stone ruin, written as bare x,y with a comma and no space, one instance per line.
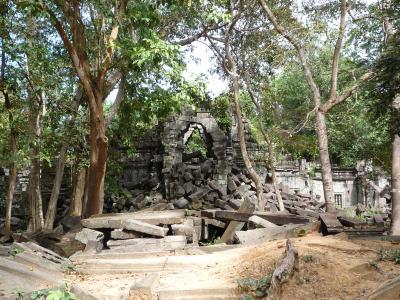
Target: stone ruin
161,173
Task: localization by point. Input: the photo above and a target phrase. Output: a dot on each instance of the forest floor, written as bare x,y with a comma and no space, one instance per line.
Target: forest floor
330,267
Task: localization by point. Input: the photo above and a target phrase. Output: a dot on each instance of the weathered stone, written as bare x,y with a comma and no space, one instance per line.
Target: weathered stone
199,194
92,239
241,190
188,176
142,227
181,203
148,244
120,234
180,191
231,185
235,203
189,188
258,222
215,223
197,204
216,187
145,288
186,229
259,235
87,234
220,203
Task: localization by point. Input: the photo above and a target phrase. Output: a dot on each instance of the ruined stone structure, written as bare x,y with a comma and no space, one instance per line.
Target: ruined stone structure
176,134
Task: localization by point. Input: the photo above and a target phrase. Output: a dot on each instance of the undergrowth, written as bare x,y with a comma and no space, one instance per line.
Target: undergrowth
252,288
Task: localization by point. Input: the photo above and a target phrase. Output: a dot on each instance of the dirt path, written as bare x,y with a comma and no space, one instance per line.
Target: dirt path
330,268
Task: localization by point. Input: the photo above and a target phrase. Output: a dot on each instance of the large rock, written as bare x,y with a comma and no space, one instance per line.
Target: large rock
242,190
180,191
87,234
91,238
181,203
189,188
231,185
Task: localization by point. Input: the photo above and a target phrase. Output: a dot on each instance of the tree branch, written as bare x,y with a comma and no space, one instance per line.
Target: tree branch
111,39
299,48
348,93
338,48
117,102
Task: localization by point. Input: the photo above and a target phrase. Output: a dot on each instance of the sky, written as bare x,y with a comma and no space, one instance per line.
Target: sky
198,63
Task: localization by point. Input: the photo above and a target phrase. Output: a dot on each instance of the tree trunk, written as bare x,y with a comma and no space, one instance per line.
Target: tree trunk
277,191
326,169
242,142
98,159
52,207
271,161
55,192
78,193
395,220
34,193
12,178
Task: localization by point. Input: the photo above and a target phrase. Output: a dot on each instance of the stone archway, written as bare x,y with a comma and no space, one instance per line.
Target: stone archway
175,135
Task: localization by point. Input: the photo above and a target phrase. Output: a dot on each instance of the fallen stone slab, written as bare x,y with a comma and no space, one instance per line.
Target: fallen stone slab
145,288
350,222
148,244
115,221
330,223
120,234
255,236
215,223
246,207
258,222
276,218
142,227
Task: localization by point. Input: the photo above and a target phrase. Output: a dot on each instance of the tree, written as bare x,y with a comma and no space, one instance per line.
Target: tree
229,66
12,135
387,87
321,108
69,21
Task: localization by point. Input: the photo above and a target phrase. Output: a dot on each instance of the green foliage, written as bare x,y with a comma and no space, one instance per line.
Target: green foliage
14,250
308,258
221,111
196,143
68,268
389,255
53,294
252,288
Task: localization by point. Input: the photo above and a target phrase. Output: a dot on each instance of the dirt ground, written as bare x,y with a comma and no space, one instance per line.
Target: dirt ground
330,268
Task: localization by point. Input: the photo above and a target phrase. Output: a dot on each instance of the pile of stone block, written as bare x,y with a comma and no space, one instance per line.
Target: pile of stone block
179,229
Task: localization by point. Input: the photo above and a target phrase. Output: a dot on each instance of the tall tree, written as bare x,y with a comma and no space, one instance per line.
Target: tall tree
230,66
12,135
69,20
321,108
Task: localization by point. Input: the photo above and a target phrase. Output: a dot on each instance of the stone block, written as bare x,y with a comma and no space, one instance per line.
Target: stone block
258,222
145,288
142,227
120,234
